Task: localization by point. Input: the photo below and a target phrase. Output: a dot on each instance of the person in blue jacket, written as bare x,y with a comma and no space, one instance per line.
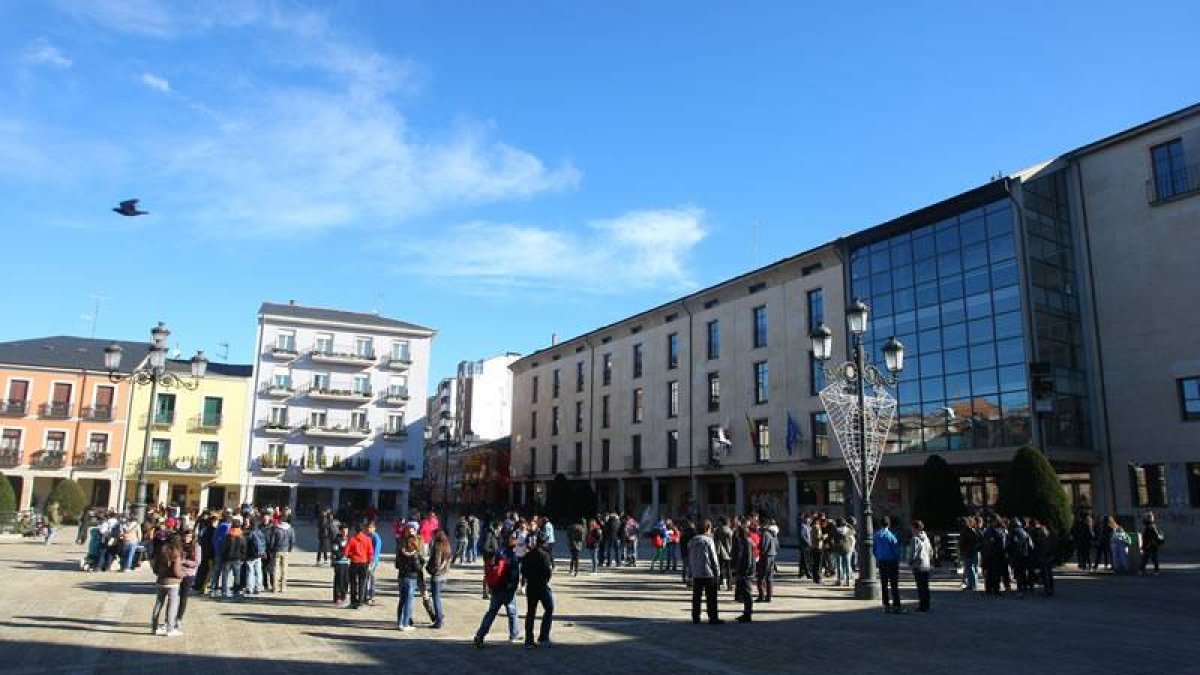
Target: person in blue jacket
887,555
377,541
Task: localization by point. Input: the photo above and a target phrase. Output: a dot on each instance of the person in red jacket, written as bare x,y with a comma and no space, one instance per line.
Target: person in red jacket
361,551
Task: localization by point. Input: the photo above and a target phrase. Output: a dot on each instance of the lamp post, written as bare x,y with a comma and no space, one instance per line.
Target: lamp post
861,410
154,373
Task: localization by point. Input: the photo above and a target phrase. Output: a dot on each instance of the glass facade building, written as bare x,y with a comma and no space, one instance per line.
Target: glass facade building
950,291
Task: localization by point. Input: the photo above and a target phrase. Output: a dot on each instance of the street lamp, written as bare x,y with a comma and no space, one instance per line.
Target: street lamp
861,409
154,373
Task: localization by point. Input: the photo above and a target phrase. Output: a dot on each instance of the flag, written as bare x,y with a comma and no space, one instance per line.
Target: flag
753,432
721,443
793,433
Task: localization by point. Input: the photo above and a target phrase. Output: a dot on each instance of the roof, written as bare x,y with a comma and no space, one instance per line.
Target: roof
1137,130
295,311
226,369
70,353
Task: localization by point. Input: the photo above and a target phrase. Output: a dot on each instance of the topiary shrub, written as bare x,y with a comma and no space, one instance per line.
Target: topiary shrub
70,498
8,498
1031,489
939,501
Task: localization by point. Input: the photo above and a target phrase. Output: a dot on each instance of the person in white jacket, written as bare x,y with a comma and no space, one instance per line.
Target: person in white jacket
922,555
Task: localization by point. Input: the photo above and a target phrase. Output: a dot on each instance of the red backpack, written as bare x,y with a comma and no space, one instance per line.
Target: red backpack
495,572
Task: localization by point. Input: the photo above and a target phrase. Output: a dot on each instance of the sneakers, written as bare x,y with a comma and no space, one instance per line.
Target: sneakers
405,629
530,645
174,633
161,630
477,642
515,641
743,619
546,643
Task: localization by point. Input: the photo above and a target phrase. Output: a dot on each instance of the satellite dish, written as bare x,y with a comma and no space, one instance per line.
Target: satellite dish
183,465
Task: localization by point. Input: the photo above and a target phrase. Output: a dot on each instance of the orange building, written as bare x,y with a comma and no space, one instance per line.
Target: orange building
61,416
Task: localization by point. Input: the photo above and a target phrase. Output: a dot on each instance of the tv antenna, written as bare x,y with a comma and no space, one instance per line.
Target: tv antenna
94,317
223,354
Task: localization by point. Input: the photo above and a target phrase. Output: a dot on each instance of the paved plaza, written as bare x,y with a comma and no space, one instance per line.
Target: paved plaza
55,618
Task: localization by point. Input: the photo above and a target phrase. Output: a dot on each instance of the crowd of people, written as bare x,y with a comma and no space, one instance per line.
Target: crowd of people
237,554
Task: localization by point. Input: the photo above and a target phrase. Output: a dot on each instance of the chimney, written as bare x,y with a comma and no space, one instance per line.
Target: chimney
292,303
553,339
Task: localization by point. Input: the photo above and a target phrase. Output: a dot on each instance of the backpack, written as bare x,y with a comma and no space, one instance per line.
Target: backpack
495,573
1022,545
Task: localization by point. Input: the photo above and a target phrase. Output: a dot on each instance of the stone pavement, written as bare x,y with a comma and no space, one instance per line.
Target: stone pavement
55,618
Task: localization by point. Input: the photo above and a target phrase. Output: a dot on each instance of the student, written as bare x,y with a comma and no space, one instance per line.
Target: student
706,572
537,568
408,569
502,576
169,573
341,565
921,563
438,568
742,567
887,553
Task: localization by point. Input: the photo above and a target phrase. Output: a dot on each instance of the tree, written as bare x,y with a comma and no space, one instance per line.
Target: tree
8,498
939,500
1031,489
70,498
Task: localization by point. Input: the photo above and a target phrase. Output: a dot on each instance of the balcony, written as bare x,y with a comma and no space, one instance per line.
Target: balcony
205,424
393,467
393,433
274,390
328,394
55,410
1179,183
90,460
338,465
273,463
346,357
274,427
202,466
10,458
163,419
284,353
397,363
14,407
335,431
97,413
49,458
397,396
633,463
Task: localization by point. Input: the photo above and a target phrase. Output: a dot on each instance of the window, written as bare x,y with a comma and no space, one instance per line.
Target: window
318,418
533,461
714,392
635,445
395,423
760,383
164,409
578,416
554,421
160,449
278,416
362,385
760,326
358,419
1193,476
314,458
816,309
97,444
672,351
281,379
1148,483
578,468
556,384
364,347
207,457
605,447
637,360
714,339
818,422
604,412
553,460
673,399
10,442
276,453
835,491
324,343
1189,399
672,449
638,405
397,386
1170,173
579,376
400,350
533,390
533,424
102,405
285,341
320,381
56,442
18,397
762,439
816,375
213,407
714,444
607,372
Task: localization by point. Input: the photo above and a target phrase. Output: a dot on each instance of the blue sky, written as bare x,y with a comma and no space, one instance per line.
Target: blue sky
505,171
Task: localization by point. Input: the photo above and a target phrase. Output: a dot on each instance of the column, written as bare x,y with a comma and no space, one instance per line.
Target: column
293,497
695,502
739,495
793,504
654,497
375,498
248,496
524,489
26,493
511,490
164,487
114,496
204,496
621,495
337,498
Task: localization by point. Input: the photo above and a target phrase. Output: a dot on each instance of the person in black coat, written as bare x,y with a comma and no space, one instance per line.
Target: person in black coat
742,567
536,568
1083,535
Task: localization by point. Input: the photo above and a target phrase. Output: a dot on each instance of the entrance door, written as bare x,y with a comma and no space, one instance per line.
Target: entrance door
179,495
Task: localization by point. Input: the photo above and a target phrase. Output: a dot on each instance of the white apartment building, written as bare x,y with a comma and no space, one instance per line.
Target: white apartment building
336,416
484,407
637,407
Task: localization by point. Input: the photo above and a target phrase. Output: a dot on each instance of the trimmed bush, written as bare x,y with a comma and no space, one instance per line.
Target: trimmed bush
939,501
70,498
1032,490
8,498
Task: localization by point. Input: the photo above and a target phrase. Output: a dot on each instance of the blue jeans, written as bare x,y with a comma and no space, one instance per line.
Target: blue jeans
595,558
842,561
507,600
435,590
472,547
408,594
254,577
545,597
214,580
128,549
971,570
229,568
672,555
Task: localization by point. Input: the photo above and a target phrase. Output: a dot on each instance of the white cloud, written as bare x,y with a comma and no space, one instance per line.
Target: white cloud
157,83
639,249
42,53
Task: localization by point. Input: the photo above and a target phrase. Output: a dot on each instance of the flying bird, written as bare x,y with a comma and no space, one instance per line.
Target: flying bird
129,208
